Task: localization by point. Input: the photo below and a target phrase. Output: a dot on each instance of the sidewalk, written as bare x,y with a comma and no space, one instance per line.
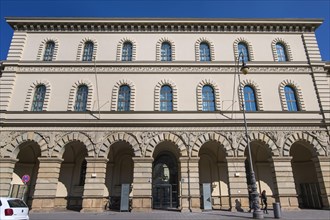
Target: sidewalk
164,215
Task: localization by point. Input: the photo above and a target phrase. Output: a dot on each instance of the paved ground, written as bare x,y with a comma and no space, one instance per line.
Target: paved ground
164,215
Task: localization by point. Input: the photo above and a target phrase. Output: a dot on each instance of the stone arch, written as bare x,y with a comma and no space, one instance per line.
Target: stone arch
254,85
121,136
302,136
157,94
158,48
264,138
166,137
42,47
214,85
120,47
73,92
212,136
81,48
12,150
30,94
59,147
115,90
287,48
247,43
211,45
296,87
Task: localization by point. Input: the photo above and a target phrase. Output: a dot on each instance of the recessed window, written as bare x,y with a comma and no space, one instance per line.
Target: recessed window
281,53
204,52
88,51
38,98
127,52
166,98
81,98
124,98
49,51
208,98
243,49
166,52
291,99
249,99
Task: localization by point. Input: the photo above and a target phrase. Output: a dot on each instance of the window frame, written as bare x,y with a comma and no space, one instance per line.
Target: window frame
81,99
124,98
166,98
250,99
208,98
39,98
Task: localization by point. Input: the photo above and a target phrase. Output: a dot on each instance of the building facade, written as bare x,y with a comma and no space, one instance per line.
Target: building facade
89,105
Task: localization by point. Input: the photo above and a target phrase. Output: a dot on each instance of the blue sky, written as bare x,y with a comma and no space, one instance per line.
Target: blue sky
169,9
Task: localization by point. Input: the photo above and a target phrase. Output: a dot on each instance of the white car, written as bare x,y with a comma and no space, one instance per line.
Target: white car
13,209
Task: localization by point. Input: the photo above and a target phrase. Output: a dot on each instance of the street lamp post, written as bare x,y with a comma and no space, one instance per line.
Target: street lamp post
257,213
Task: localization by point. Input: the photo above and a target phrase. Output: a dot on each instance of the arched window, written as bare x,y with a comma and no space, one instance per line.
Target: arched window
204,52
127,52
81,98
38,98
242,48
291,99
124,98
88,51
166,98
281,52
208,98
166,52
83,170
49,51
249,99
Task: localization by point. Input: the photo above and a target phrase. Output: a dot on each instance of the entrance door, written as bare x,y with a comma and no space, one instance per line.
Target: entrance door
165,183
310,193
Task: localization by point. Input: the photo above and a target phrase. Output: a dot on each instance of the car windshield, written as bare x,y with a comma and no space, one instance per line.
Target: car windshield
14,203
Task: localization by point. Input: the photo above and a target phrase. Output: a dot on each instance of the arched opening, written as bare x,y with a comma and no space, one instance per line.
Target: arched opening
213,174
165,187
262,168
71,182
305,176
119,171
27,164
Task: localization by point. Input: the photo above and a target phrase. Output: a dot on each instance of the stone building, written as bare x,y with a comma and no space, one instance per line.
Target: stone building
89,105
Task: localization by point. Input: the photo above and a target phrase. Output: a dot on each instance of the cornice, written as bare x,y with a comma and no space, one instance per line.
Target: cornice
45,24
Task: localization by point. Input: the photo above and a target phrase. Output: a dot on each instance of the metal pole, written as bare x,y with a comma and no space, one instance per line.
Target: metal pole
257,213
97,89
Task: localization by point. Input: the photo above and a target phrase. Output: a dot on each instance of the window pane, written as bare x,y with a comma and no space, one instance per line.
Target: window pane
281,53
38,99
81,98
124,98
291,99
249,99
166,98
166,52
127,52
242,49
204,52
49,51
208,98
88,51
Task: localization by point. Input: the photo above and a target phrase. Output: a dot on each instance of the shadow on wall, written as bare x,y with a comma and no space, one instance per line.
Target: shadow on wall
238,206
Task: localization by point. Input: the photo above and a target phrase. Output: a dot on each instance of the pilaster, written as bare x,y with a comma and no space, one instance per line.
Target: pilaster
7,166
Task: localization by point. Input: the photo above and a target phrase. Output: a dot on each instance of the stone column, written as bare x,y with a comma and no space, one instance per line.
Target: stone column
7,166
238,192
46,184
190,194
142,184
94,198
285,190
322,166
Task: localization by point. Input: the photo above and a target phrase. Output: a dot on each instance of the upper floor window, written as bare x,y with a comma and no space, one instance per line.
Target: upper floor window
81,98
250,103
291,99
281,52
166,98
243,49
124,98
204,52
208,98
88,51
166,52
38,98
127,52
49,51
